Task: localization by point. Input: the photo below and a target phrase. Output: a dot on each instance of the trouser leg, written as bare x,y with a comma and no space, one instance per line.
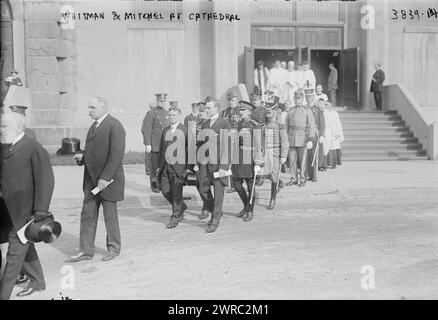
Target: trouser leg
204,188
293,155
249,185
154,167
113,239
219,189
238,185
89,216
20,256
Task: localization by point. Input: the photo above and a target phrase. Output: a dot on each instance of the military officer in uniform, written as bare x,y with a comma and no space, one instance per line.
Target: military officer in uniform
259,115
249,160
301,132
152,129
202,117
276,148
232,115
318,116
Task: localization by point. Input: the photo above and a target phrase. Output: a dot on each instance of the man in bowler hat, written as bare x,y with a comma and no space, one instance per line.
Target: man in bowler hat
153,124
102,158
27,184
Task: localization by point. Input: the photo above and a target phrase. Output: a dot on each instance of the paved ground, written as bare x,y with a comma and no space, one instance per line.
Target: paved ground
314,245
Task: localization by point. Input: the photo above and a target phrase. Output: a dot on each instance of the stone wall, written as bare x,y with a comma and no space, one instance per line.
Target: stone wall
50,54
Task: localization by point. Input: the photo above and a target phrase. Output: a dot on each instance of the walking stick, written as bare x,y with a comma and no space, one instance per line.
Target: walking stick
253,188
315,154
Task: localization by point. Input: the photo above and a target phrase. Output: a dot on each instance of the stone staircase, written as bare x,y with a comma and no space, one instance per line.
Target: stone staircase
378,136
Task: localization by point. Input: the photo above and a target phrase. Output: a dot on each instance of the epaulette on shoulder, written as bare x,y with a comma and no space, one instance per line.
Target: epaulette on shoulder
255,122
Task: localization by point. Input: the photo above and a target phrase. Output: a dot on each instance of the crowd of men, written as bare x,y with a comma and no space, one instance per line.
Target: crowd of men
302,136
238,147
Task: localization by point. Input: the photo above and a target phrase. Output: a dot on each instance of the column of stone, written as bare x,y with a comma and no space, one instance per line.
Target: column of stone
50,70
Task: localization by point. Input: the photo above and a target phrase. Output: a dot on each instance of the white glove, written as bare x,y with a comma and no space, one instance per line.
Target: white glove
195,168
148,148
282,161
309,145
257,169
321,139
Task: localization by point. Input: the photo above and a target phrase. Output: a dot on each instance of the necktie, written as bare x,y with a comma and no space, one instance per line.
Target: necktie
93,127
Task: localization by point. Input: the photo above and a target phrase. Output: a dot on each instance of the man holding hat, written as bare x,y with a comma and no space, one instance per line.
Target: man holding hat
152,129
301,132
27,183
318,116
249,160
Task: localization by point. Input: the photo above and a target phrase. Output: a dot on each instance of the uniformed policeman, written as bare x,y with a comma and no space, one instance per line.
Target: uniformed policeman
250,159
153,124
301,133
276,148
318,116
232,115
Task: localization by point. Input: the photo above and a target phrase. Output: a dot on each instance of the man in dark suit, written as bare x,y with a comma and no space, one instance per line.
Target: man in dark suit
332,84
27,184
209,165
102,158
152,129
377,85
172,171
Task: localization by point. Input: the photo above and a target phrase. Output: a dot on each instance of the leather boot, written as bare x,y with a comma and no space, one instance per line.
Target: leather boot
273,195
242,213
248,216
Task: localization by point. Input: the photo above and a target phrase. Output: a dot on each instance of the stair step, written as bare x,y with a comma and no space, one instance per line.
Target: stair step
388,147
376,128
381,141
379,158
377,122
372,135
385,152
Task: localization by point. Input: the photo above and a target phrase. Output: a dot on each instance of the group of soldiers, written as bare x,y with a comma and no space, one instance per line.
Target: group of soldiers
269,132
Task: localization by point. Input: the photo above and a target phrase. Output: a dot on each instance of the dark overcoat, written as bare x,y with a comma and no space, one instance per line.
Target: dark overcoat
103,157
27,180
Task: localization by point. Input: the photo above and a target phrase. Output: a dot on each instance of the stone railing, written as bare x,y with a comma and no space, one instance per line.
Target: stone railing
398,98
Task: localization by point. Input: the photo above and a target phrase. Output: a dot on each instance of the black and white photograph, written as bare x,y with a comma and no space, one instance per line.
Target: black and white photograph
239,151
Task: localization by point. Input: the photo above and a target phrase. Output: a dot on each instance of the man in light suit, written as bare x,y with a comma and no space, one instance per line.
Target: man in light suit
102,158
172,171
27,184
219,164
377,86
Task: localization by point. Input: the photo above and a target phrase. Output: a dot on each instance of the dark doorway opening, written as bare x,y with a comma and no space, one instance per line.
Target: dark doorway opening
320,61
269,56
